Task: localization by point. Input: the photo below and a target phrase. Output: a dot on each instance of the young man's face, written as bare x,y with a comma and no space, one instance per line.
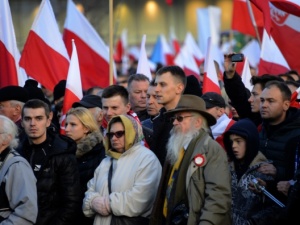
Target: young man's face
238,146
114,106
254,99
35,123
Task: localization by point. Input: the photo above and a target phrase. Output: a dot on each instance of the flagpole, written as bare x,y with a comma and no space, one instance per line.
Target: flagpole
111,35
253,21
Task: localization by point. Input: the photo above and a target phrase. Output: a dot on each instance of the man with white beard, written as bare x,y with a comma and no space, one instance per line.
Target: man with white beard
195,185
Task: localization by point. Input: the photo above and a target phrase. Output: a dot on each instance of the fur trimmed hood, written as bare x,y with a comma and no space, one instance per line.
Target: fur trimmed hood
88,143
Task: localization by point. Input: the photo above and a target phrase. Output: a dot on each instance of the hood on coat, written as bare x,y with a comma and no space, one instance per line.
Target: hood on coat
247,130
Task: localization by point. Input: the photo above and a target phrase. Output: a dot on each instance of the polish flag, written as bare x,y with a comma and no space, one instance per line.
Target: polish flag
286,34
44,56
143,63
264,7
175,45
295,98
93,54
210,79
288,6
252,52
246,75
73,87
241,19
208,26
193,48
187,62
10,72
162,52
121,46
271,59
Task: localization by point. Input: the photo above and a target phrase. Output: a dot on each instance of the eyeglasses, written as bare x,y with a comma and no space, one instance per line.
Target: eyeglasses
179,118
118,134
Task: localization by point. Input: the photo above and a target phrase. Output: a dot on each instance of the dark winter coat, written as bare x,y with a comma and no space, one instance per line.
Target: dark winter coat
90,152
55,167
246,205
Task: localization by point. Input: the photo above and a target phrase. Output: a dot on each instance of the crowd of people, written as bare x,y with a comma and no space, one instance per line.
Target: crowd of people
156,152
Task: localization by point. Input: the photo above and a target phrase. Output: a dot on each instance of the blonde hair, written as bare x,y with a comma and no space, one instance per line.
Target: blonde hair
85,117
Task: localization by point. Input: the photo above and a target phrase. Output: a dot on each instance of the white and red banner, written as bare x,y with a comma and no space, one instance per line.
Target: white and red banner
73,87
93,54
193,48
208,26
286,34
289,6
246,75
271,59
44,56
210,79
162,52
10,72
175,45
187,62
143,63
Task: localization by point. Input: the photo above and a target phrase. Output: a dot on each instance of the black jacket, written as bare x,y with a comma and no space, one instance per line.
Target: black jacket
90,152
55,167
162,126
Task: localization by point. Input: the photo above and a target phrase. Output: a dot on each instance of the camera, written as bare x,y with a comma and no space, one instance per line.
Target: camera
237,57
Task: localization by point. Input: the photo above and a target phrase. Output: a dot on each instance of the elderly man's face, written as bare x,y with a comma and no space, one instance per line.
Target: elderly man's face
7,109
183,122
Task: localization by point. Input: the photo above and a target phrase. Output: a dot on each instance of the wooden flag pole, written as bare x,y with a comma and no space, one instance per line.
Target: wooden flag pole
111,35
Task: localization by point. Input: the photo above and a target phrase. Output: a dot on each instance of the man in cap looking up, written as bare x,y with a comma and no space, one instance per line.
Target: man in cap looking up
12,100
94,105
196,178
215,105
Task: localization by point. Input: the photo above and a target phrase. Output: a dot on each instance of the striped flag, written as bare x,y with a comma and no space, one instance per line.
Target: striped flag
73,91
44,56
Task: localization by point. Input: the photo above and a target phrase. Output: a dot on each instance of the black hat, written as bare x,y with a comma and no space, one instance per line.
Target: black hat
89,101
192,86
195,104
213,99
13,93
59,90
34,92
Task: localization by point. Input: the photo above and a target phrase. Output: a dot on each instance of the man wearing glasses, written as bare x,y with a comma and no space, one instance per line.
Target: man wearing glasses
195,185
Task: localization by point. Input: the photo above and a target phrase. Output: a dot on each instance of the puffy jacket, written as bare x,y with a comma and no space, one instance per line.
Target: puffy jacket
55,167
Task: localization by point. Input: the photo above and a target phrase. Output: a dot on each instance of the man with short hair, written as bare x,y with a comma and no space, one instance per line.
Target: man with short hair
137,88
115,102
195,187
18,195
94,104
279,137
246,107
170,83
215,105
52,158
152,105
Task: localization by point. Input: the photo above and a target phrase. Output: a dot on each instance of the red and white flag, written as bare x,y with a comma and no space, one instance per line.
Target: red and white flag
246,75
264,7
162,52
44,56
241,19
286,34
252,51
73,87
289,6
175,45
271,59
121,46
143,63
193,48
93,54
295,98
208,26
187,62
10,72
210,79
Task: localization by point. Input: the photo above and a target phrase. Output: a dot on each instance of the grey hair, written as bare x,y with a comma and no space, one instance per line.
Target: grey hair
204,121
10,128
15,102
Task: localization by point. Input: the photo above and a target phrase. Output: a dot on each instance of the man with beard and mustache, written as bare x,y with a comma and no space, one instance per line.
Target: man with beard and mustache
195,185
